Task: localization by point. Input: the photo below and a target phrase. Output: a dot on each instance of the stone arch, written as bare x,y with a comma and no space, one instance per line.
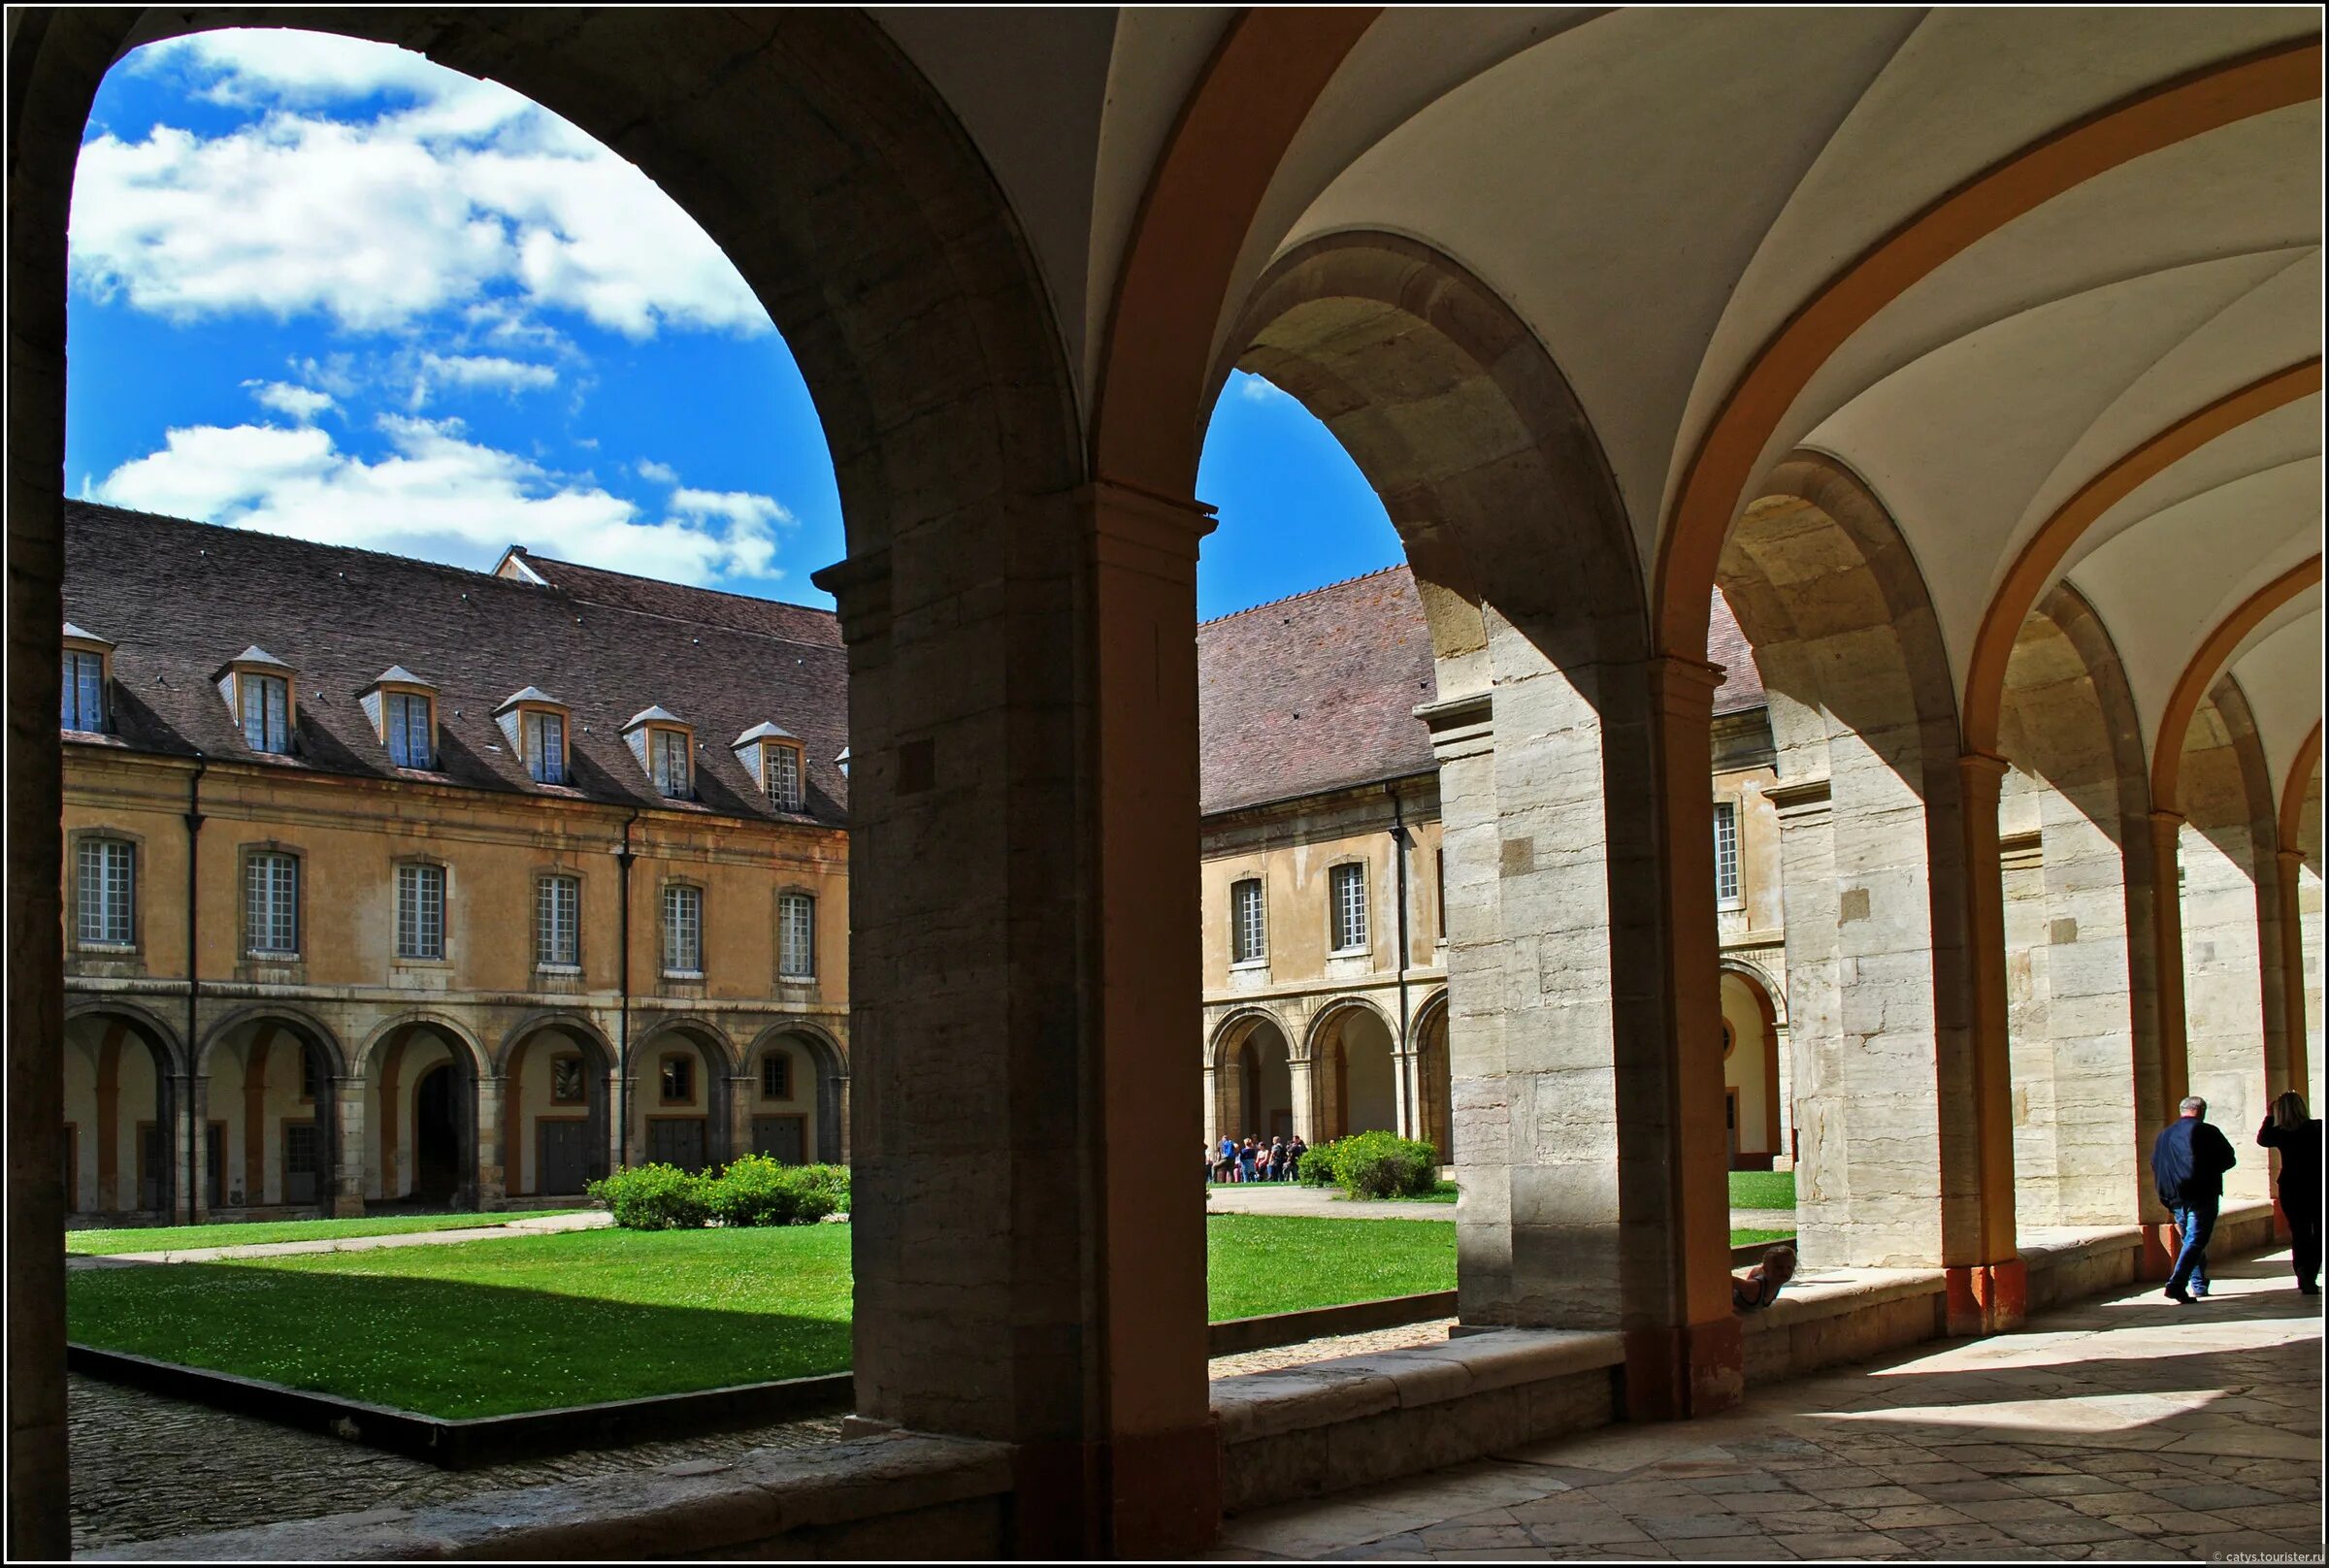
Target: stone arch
1770,989
2082,995
1756,1119
265,1154
101,1112
545,1163
1435,1079
456,1157
698,1127
287,1014
1252,1066
1351,1047
2233,1027
481,1061
829,1141
1863,718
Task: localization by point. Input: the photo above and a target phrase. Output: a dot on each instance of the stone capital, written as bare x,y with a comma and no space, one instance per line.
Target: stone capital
1461,726
2292,858
1799,800
2168,822
1141,531
860,586
1684,688
1985,766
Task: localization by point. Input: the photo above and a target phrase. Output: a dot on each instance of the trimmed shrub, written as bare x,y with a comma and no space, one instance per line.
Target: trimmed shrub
754,1190
1373,1165
653,1197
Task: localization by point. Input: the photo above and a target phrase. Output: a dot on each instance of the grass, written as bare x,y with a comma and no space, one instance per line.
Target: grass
1762,1188
1268,1263
174,1238
1755,1238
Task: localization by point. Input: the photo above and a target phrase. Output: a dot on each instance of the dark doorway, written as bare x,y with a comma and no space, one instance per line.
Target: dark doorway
677,1140
302,1160
151,1164
436,1136
560,1157
213,1163
783,1138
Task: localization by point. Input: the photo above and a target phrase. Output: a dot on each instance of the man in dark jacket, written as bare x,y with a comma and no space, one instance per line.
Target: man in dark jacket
2188,1162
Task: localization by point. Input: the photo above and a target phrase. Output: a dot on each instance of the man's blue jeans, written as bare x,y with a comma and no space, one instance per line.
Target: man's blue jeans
2196,1222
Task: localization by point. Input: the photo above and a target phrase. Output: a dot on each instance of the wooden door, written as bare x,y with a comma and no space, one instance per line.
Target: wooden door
560,1158
302,1162
781,1137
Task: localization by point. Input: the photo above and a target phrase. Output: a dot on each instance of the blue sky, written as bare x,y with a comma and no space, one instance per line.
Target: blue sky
323,287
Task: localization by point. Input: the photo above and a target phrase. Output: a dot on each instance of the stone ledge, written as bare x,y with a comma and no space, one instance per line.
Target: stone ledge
1839,1293
686,1510
1269,1404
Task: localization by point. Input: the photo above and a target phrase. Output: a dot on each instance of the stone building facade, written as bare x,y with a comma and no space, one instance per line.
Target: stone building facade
1326,923
447,887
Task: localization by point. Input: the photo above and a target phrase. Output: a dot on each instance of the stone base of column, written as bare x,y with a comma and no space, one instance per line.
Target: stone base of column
1695,1369
1987,1299
1146,1497
2160,1244
347,1206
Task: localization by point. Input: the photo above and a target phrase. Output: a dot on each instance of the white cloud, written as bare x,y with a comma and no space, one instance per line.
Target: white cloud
301,403
384,216
1253,389
488,371
742,508
434,494
655,473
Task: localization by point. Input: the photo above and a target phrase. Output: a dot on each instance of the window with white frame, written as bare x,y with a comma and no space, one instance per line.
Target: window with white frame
108,883
558,922
1726,853
266,711
682,930
83,706
545,747
668,758
1249,929
796,936
410,744
271,904
1346,892
420,911
782,767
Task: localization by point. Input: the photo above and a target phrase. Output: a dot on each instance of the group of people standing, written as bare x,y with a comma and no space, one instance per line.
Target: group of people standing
1252,1160
2188,1162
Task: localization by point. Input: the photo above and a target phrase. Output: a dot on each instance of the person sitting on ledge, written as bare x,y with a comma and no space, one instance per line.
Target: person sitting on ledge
1752,1289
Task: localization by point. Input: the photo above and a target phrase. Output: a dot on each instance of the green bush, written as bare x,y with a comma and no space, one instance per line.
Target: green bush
1373,1165
653,1197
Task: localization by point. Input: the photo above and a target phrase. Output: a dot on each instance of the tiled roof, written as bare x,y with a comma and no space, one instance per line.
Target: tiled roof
178,599
1317,693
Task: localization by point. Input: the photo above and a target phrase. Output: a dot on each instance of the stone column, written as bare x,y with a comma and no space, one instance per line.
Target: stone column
1783,1047
1305,1106
2296,1065
1988,1291
344,1193
1406,1108
1806,818
2174,1078
195,1095
1212,1080
493,1154
742,1090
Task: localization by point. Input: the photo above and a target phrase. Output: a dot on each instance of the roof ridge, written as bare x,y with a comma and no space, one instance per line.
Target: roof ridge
693,588
1288,599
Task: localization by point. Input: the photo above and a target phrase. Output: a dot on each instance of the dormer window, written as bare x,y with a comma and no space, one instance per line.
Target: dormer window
403,709
535,723
664,745
774,757
86,661
257,688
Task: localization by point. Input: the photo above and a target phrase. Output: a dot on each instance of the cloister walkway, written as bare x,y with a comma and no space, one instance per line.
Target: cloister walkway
2122,1427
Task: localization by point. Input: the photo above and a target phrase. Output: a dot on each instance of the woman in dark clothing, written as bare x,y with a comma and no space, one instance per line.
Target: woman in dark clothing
2297,1137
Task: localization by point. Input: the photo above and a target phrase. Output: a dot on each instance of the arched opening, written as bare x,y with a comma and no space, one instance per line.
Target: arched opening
1752,1112
680,1097
1435,1089
124,1148
2230,943
2075,866
421,1110
271,1085
1863,724
797,1089
1251,1076
1352,1075
555,1090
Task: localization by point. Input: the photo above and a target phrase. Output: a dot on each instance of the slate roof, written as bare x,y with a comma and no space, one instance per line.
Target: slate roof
1317,693
178,599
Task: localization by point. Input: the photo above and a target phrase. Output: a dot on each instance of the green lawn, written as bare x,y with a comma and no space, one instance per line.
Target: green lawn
1268,1262
1746,1238
172,1239
1762,1188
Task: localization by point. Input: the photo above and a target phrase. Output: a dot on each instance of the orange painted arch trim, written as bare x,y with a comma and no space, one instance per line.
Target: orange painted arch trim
1724,463
2292,791
2167,761
2059,534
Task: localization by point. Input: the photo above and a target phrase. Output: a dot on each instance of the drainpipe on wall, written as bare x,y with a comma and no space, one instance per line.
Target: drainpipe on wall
202,765
1398,840
623,856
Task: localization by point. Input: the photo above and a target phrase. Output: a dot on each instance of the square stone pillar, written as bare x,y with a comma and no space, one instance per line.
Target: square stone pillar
1305,1112
742,1090
344,1190
494,1158
1024,983
195,1095
1988,1291
2296,1065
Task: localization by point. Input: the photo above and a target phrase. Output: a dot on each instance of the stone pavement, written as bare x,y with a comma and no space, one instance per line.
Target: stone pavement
2123,1427
1318,1202
545,1225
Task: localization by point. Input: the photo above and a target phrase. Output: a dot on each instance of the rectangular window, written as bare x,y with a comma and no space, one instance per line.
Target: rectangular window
270,903
266,711
784,764
1249,935
409,743
1346,894
1726,853
545,748
678,1080
311,1072
683,930
108,882
420,911
85,691
776,1076
796,936
666,749
558,921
